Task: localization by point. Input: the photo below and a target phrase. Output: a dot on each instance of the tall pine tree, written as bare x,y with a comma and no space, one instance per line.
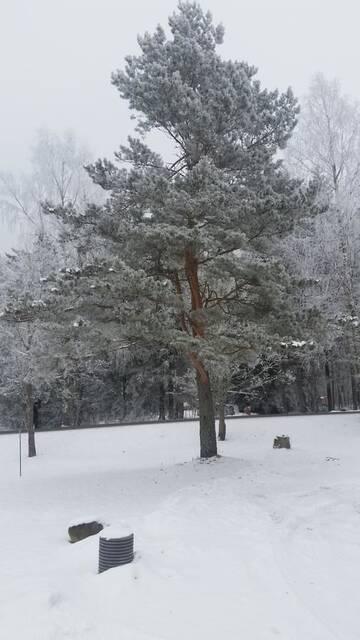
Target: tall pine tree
190,241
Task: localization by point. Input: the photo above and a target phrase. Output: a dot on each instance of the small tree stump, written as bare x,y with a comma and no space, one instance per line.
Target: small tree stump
281,442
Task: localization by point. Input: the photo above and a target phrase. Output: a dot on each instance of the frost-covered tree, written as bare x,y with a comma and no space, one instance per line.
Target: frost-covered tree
28,341
56,173
327,139
326,144
191,240
45,353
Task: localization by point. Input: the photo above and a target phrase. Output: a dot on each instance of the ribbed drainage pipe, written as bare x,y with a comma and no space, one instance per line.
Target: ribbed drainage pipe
115,550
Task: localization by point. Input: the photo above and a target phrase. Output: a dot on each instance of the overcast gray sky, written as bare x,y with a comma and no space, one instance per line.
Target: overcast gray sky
56,57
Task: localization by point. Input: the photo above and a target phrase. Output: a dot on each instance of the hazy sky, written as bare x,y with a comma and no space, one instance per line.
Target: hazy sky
56,57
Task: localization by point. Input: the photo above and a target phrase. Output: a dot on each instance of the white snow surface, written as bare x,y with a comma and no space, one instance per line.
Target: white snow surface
75,522
116,532
259,544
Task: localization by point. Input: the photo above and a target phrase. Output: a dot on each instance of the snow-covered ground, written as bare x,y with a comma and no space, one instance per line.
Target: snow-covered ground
260,544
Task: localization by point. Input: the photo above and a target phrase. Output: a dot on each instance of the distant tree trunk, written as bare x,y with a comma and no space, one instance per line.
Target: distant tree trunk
78,413
354,368
339,403
161,401
208,444
342,402
29,412
354,387
124,397
300,386
179,410
333,391
222,423
313,386
171,403
77,406
329,393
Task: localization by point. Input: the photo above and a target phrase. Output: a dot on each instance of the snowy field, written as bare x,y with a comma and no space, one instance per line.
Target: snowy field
257,545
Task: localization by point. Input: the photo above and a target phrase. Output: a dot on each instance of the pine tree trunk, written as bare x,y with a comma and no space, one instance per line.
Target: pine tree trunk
354,369
171,403
77,413
124,397
337,395
179,410
29,409
301,393
222,423
208,444
354,387
313,387
329,393
161,401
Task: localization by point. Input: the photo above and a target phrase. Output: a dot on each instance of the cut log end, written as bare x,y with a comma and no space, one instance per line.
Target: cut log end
83,530
282,442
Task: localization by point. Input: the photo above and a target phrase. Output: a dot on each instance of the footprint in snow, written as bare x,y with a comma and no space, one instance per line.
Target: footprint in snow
55,599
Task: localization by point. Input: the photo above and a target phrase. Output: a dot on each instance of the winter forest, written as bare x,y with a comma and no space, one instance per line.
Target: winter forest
210,267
